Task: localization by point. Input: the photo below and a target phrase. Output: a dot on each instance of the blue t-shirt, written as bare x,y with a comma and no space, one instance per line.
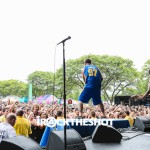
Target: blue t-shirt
93,77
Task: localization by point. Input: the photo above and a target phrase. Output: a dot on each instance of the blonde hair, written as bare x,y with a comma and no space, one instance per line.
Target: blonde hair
35,105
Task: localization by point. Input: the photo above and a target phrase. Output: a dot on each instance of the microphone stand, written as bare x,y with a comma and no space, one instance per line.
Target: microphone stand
64,81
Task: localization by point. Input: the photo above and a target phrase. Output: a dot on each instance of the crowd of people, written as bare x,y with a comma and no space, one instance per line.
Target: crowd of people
23,116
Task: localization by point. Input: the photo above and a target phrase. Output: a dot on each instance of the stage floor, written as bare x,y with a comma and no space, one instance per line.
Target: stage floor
139,142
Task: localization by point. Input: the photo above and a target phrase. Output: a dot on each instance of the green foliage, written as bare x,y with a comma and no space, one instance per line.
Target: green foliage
119,74
42,82
120,78
144,78
58,80
13,87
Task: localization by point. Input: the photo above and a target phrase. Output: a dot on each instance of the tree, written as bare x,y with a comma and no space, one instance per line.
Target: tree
42,83
119,74
144,78
74,82
13,87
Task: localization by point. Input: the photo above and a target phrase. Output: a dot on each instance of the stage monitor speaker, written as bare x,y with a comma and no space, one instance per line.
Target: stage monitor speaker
74,140
142,123
106,134
19,143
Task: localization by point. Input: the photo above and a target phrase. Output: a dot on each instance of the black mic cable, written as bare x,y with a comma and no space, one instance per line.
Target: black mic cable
54,75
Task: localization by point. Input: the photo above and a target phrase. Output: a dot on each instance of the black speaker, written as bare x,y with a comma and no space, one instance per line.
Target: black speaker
74,140
142,123
106,134
19,143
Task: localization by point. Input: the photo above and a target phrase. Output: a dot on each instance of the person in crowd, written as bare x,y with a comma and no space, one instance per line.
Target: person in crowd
116,115
22,125
6,128
111,115
60,119
32,119
43,115
13,107
60,114
93,115
5,112
86,115
129,118
76,113
37,126
36,109
92,88
122,115
1,112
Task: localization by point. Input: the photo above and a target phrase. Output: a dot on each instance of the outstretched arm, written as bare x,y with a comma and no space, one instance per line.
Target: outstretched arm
12,106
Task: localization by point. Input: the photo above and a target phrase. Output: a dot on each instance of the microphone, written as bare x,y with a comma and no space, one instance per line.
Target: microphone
64,40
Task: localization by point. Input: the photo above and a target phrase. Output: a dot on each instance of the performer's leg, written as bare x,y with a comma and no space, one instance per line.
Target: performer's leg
83,98
97,101
80,108
102,109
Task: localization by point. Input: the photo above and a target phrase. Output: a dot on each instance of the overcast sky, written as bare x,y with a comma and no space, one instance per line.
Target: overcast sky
30,30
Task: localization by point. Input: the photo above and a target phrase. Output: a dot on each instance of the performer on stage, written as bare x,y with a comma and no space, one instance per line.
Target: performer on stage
92,88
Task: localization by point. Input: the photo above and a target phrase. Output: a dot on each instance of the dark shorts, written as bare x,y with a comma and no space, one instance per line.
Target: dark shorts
89,93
